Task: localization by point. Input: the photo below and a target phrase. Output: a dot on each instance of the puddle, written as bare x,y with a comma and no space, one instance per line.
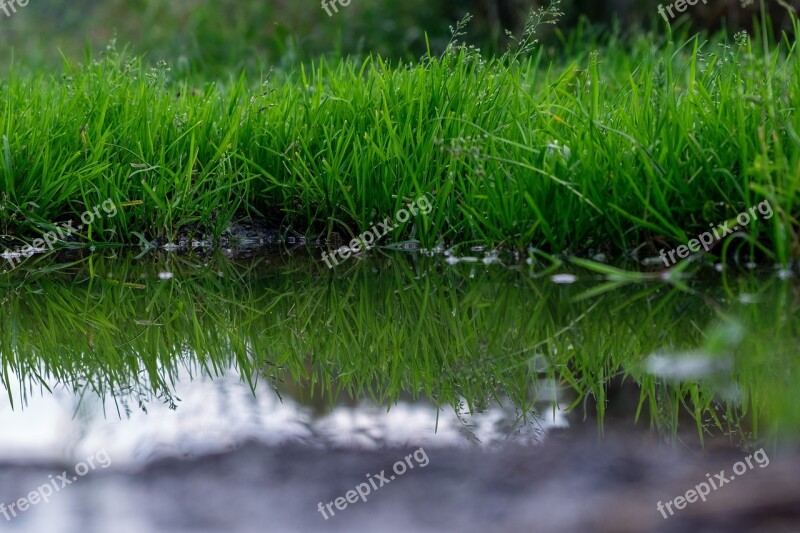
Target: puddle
169,358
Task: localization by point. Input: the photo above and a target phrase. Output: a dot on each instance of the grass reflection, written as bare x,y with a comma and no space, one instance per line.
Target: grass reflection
463,336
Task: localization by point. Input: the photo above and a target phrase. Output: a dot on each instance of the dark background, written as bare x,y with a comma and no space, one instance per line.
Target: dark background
222,36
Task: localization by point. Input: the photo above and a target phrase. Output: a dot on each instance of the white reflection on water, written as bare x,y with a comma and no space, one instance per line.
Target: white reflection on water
215,415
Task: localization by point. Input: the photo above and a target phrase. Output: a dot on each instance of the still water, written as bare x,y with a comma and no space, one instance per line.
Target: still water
242,376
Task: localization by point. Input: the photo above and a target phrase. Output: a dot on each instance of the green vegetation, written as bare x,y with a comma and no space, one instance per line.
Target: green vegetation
615,145
463,337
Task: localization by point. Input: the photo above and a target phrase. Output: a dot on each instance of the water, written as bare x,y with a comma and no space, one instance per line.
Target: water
296,376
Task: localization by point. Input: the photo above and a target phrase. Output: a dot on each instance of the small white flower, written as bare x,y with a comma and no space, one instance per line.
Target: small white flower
563,151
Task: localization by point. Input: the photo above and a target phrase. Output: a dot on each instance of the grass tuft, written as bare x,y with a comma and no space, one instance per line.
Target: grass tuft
641,142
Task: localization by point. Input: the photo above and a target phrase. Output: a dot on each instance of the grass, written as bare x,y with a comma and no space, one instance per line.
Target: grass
619,146
463,337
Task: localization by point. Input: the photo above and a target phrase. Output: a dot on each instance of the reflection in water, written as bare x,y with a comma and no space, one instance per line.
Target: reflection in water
508,352
214,415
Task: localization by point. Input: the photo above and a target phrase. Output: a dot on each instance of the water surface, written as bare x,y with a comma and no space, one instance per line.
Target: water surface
170,356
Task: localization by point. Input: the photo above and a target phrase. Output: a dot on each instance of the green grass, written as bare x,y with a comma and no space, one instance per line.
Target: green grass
611,146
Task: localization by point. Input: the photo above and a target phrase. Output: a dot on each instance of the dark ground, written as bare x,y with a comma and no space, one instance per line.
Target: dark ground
582,484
